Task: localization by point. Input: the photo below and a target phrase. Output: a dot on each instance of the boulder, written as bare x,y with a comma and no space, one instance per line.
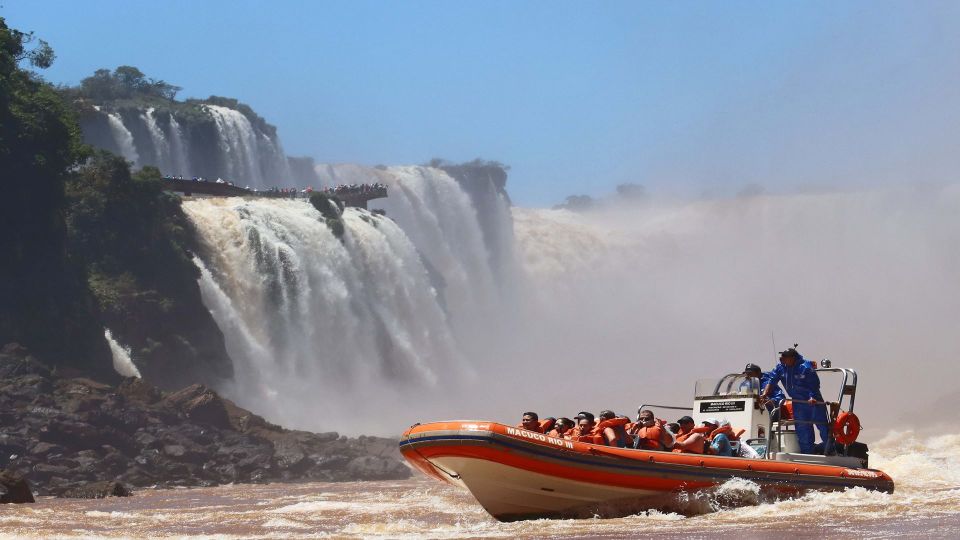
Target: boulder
14,488
200,404
138,391
97,490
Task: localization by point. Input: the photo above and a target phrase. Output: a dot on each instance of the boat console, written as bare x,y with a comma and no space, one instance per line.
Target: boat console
735,398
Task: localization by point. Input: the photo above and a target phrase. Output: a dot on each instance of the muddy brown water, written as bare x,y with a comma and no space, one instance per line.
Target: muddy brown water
926,504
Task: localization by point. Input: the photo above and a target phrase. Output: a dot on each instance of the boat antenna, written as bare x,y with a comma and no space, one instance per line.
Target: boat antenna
774,342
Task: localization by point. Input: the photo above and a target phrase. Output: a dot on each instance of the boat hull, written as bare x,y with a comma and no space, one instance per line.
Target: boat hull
518,474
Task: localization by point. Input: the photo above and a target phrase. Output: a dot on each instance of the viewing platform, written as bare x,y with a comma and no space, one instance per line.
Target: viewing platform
354,195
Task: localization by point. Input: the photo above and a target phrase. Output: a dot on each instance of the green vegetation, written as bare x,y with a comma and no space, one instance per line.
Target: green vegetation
577,203
125,82
331,208
477,163
128,87
44,302
136,243
85,244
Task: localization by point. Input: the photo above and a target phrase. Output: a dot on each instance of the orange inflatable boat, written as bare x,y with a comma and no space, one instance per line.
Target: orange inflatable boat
518,474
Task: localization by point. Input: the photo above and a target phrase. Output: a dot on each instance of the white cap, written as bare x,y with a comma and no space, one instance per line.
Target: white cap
711,421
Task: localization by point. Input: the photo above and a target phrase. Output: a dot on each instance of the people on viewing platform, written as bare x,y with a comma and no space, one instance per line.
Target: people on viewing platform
344,191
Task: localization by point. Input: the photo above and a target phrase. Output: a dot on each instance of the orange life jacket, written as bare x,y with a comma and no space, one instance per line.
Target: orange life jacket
733,436
617,424
582,436
547,424
537,429
683,437
648,438
786,411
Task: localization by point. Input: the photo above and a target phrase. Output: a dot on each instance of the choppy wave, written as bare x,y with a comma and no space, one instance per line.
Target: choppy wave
926,504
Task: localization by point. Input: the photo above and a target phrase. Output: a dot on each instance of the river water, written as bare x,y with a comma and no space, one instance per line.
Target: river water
926,504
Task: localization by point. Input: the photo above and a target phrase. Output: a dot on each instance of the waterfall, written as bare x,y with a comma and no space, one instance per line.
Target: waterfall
250,157
161,147
180,155
238,143
122,362
123,138
441,221
320,328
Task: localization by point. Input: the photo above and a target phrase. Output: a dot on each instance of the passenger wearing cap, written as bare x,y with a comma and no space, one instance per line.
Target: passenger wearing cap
689,439
801,381
584,429
719,443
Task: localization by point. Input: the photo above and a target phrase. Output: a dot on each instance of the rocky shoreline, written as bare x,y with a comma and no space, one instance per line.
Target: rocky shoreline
62,432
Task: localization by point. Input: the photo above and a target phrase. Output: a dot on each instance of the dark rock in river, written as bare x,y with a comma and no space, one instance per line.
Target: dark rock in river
64,433
14,489
97,490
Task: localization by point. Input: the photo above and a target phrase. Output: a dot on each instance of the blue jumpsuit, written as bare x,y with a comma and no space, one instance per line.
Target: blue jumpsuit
803,383
776,397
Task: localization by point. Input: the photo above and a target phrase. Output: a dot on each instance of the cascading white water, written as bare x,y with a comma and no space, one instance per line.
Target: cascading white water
122,361
276,168
180,155
238,142
442,223
123,138
321,329
251,158
161,147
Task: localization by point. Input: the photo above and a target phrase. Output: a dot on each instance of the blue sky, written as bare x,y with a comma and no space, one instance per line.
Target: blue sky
683,97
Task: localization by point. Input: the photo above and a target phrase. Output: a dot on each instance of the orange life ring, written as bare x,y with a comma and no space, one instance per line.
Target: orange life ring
846,428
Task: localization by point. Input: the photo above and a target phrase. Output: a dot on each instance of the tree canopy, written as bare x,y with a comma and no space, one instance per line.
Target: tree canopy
125,82
44,300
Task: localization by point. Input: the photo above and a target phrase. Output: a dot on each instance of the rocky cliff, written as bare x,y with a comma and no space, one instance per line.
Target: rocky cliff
62,432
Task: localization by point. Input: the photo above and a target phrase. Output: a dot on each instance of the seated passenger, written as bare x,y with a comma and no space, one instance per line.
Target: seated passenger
611,432
530,422
584,430
719,437
650,434
562,428
690,439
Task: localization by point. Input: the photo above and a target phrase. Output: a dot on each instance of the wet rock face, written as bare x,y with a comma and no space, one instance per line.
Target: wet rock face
14,489
66,434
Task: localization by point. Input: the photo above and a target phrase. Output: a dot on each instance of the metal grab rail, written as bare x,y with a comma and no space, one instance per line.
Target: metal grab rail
650,405
847,388
731,378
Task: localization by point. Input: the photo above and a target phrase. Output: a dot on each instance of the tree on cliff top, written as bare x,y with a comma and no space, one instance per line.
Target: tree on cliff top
126,82
44,302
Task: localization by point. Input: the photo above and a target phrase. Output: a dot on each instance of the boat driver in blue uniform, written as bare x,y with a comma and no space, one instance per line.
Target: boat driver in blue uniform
800,378
772,403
